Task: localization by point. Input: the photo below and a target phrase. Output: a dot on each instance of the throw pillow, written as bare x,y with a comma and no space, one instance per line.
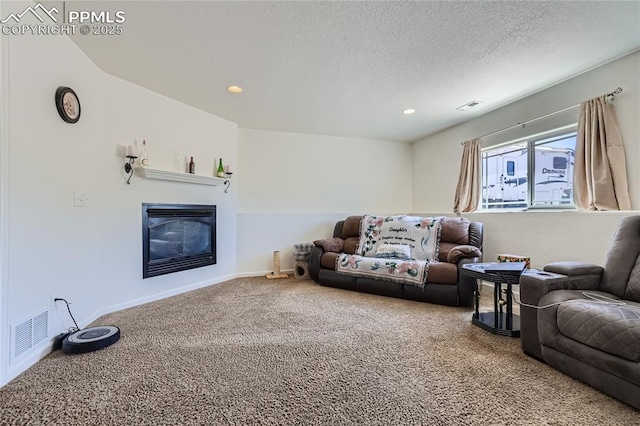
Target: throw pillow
395,251
331,245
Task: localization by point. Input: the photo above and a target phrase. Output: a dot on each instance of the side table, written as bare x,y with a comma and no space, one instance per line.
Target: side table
498,321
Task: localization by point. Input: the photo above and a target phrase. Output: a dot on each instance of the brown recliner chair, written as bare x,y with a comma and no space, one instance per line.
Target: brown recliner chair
584,320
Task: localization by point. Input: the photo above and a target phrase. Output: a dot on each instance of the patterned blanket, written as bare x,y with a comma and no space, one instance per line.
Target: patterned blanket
420,234
412,272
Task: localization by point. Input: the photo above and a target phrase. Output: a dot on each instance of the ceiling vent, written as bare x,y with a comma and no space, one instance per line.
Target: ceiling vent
468,105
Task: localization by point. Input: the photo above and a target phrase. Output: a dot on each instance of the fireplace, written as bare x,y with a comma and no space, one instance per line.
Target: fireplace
177,237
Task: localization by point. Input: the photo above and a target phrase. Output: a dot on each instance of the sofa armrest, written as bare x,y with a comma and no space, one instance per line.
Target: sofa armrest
463,251
535,284
558,276
314,262
573,269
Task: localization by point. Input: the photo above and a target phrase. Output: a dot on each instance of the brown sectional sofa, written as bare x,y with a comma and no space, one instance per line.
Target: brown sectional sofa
460,243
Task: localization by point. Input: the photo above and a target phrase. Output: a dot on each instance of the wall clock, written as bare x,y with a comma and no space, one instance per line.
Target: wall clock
68,104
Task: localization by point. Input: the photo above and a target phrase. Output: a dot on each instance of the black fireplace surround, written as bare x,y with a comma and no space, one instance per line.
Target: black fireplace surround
177,237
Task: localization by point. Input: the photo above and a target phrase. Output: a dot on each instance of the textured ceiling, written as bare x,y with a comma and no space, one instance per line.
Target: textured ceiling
350,68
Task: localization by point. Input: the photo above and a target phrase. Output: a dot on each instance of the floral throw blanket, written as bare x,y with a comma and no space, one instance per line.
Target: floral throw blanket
412,272
421,235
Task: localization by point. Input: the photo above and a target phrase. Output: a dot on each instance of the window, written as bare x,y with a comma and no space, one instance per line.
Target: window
536,172
511,168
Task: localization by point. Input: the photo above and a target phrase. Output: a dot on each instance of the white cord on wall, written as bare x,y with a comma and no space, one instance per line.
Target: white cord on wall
596,298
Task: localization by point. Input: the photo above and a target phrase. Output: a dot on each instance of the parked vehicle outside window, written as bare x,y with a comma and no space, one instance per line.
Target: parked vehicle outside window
532,173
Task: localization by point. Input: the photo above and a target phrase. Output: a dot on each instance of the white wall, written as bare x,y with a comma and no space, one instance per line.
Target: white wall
545,236
168,127
92,255
294,187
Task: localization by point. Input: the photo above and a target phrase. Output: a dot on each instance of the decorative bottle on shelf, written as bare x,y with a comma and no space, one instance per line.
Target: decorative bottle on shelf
143,158
192,166
220,171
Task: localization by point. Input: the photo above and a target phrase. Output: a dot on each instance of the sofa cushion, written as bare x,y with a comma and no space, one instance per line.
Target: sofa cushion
610,328
455,230
331,244
351,227
328,260
442,273
350,245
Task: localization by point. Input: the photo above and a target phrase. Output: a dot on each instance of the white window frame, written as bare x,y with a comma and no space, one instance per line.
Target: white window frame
531,142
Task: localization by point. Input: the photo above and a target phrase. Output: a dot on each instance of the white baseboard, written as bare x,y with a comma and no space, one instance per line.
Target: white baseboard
261,273
46,347
36,354
152,298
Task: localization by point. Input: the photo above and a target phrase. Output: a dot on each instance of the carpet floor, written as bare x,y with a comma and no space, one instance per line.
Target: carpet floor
288,352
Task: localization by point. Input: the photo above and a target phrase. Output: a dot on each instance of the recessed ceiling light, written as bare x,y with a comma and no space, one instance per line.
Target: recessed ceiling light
234,89
408,111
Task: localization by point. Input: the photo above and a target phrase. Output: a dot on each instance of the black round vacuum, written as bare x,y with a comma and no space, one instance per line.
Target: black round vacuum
90,339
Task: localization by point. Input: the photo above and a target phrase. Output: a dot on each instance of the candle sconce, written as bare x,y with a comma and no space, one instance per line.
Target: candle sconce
227,183
128,167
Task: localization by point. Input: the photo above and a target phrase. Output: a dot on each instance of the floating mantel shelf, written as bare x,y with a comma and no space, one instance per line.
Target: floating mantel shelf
179,177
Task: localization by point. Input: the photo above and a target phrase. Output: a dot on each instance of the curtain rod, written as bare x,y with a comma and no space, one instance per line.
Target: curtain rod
615,92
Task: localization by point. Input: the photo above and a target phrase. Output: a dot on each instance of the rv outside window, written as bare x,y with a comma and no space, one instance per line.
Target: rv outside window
532,173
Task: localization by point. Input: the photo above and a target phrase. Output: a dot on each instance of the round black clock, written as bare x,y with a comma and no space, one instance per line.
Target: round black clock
68,104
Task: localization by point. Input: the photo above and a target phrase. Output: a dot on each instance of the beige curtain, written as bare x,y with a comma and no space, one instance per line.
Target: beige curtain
468,189
600,171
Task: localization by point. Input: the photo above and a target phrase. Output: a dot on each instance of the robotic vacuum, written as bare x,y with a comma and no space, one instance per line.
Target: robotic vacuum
90,339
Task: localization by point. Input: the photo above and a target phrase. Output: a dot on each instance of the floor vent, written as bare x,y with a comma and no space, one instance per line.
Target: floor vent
28,334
